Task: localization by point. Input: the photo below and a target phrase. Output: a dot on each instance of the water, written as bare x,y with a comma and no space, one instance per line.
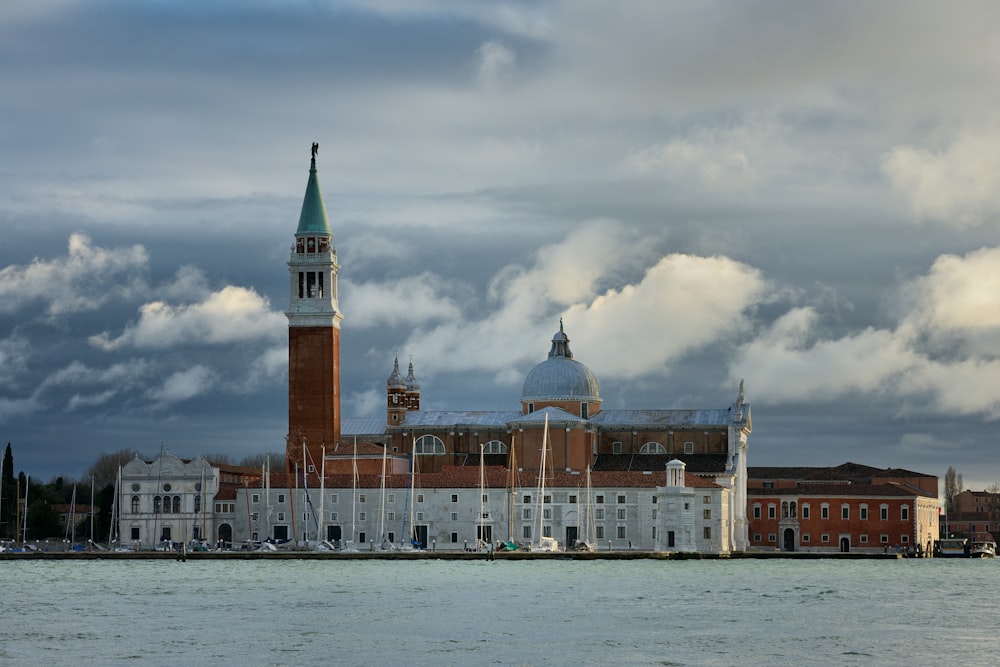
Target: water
431,612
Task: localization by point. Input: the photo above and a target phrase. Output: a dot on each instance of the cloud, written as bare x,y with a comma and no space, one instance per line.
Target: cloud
958,302
15,353
411,301
84,280
956,184
941,357
680,303
233,314
495,59
184,385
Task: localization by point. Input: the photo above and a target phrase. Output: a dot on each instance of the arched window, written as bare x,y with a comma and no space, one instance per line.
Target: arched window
156,504
428,444
652,448
197,504
792,509
135,504
177,504
494,447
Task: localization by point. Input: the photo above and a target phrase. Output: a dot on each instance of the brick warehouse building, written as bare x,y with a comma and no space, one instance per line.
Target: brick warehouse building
845,508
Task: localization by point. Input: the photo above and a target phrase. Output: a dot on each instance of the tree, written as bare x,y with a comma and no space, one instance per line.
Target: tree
8,494
258,461
105,469
952,487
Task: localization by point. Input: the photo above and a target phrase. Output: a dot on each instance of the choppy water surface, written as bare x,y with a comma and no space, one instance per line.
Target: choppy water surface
748,612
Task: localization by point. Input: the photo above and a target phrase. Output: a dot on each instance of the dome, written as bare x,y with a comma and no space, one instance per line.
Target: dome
560,377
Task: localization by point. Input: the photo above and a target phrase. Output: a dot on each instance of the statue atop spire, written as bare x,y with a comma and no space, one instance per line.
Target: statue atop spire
315,149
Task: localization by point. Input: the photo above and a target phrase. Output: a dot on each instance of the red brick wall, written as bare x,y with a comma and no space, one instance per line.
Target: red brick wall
313,391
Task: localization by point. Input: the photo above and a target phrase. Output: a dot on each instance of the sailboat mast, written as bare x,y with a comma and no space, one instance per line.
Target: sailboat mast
482,494
413,484
381,503
321,527
354,491
541,482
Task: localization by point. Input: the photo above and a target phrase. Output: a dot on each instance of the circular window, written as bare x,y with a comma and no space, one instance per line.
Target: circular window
135,486
166,487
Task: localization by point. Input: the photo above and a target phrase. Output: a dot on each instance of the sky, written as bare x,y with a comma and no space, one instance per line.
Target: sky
802,196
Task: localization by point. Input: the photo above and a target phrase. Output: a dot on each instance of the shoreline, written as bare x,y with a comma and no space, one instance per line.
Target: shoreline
435,555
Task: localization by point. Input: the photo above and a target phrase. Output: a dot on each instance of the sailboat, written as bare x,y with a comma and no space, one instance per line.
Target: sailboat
589,541
384,543
540,542
349,545
412,542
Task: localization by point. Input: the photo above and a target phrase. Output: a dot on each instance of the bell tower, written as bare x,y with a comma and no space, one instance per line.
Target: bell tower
313,334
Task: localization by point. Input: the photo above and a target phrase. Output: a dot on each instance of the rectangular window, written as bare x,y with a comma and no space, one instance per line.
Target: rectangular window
599,532
526,500
599,500
255,516
420,497
805,537
135,532
654,532
486,498
864,539
390,516
333,516
621,514
281,516
654,514
863,512
391,497
756,537
361,497
845,512
599,513
526,532
527,513
255,497
585,411
572,500
362,538
772,512
420,516
824,512
621,532
805,511
689,448
883,512
547,513
281,497
547,499
454,516
756,511
707,500
772,537
305,516
884,539
454,538
454,497
616,448
707,514
706,532
904,513
361,516
824,538
621,500
333,497
904,539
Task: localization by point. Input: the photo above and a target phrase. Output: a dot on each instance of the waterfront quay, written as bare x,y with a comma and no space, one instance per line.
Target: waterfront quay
434,555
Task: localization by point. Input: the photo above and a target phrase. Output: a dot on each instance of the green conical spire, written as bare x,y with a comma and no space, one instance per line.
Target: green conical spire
313,218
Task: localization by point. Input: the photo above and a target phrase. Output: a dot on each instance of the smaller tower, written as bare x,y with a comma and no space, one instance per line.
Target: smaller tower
395,390
412,391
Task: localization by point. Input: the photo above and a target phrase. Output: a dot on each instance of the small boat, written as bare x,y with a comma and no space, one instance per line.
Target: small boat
983,549
951,547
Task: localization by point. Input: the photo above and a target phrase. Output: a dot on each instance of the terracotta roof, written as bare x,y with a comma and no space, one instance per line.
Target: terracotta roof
849,471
